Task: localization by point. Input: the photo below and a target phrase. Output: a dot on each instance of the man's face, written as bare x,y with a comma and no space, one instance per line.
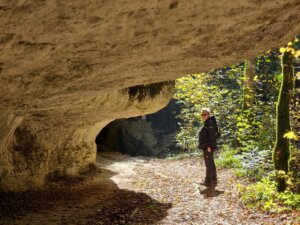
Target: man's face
204,115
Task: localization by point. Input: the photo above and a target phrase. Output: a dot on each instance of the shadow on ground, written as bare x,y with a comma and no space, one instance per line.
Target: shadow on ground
210,192
91,201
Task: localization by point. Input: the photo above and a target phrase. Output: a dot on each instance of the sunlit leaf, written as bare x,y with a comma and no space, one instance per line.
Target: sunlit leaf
279,77
282,50
291,135
291,50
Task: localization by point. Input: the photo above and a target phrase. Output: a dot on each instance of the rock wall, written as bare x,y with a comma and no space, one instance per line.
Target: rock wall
64,66
37,147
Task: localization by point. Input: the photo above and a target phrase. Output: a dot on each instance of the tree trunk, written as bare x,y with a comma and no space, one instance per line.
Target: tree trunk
249,74
281,151
247,115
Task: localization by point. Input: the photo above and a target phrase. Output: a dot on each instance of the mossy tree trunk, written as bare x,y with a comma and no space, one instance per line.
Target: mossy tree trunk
249,74
281,152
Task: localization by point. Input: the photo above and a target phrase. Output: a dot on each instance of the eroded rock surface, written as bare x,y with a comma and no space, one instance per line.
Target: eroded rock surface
61,141
64,66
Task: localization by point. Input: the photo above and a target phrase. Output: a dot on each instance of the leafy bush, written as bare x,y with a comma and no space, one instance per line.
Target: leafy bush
216,90
264,195
255,164
227,159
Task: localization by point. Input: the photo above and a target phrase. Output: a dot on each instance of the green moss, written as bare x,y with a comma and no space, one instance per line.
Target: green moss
140,92
281,151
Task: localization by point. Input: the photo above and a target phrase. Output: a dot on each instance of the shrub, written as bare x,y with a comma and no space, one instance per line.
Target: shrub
264,195
227,159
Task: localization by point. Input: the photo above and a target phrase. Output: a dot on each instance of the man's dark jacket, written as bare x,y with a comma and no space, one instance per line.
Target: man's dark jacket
208,134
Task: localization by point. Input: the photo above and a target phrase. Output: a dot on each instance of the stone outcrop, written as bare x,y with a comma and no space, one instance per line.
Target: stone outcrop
60,141
65,67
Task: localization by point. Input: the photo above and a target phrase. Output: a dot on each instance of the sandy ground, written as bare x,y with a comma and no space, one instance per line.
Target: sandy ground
127,190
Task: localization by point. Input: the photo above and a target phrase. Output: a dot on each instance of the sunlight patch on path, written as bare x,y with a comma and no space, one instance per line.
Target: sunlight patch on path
122,165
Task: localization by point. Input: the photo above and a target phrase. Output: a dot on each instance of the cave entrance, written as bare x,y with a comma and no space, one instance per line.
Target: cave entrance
149,135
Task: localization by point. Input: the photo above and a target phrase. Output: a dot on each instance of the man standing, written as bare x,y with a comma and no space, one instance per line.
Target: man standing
208,143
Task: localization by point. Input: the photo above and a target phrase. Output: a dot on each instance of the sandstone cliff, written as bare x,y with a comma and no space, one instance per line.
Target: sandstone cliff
65,67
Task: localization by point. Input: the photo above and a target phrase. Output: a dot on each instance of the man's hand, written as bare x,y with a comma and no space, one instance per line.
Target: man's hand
209,149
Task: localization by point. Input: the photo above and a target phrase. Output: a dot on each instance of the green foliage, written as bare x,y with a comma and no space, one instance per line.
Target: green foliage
264,195
216,90
227,158
222,91
295,167
247,128
188,142
256,123
255,164
248,133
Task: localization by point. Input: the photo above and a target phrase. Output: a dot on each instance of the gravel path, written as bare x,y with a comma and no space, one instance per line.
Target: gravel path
177,182
138,190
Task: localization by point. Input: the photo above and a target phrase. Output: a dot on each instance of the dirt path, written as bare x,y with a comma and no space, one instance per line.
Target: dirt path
137,190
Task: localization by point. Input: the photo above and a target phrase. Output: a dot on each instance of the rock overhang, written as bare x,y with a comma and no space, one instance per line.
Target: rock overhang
65,66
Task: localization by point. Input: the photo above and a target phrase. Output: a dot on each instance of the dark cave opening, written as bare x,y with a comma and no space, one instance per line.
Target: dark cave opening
149,135
110,138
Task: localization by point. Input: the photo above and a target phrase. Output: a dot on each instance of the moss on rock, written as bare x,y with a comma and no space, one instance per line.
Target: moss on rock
140,92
